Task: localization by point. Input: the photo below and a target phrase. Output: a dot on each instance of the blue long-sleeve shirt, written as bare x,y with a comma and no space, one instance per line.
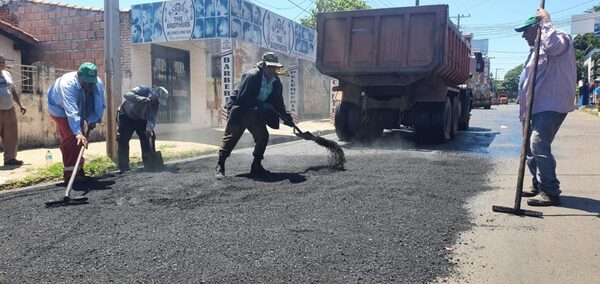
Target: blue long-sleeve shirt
66,98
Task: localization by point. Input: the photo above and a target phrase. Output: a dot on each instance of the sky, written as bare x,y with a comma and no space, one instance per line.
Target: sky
494,20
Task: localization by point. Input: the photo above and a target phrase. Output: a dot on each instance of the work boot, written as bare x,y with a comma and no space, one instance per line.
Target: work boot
257,169
544,199
530,192
220,170
13,162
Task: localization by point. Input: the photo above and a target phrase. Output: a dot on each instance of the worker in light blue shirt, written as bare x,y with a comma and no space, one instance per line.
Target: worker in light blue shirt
73,98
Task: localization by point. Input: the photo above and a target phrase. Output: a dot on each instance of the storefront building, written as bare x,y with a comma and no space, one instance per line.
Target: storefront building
199,49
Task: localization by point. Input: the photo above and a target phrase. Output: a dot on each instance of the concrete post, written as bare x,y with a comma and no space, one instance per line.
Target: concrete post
112,59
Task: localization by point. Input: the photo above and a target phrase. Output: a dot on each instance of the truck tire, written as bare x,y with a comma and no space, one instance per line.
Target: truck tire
342,129
441,121
465,110
455,109
363,130
421,122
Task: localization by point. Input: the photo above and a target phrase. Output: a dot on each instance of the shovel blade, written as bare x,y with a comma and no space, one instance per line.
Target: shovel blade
519,212
158,160
66,201
153,161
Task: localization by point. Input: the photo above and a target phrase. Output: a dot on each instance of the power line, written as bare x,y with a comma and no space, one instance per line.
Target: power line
373,2
390,4
302,12
298,6
496,51
587,2
274,7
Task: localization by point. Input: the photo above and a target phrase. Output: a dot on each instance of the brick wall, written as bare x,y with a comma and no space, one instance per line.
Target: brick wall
68,34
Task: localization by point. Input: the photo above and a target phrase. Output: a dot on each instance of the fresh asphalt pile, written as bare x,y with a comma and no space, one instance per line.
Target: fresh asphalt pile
386,218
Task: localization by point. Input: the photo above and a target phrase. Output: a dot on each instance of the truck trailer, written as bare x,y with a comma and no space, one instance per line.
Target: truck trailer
396,67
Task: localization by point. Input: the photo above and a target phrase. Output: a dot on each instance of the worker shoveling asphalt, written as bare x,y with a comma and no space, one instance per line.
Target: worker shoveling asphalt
257,102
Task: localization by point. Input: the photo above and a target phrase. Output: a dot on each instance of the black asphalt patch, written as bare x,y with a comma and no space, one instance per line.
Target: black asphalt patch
386,218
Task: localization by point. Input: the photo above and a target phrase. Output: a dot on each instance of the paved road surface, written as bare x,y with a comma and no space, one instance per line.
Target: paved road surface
388,218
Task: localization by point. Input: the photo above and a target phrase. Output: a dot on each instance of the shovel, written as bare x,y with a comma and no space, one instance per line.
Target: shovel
67,199
153,160
337,159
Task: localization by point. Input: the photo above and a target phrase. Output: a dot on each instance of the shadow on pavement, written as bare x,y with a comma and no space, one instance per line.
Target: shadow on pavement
10,168
579,203
478,129
276,177
474,140
317,168
87,187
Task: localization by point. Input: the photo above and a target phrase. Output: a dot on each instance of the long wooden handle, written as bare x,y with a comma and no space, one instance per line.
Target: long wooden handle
74,173
531,81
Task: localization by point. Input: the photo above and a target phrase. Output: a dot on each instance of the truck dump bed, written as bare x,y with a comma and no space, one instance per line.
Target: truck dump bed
391,47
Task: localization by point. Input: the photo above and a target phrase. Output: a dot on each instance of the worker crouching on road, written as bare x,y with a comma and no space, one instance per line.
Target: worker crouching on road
138,113
252,107
76,97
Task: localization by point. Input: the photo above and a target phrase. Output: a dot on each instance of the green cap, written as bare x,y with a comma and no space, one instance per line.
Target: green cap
529,22
88,72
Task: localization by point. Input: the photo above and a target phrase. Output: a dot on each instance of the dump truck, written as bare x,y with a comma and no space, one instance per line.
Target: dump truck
396,67
479,82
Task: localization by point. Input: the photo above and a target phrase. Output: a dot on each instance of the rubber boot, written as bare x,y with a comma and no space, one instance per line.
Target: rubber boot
220,168
257,169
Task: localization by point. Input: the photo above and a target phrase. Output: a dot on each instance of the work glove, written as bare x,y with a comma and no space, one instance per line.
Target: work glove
542,16
288,120
265,107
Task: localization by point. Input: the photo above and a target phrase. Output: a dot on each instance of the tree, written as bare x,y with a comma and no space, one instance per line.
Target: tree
594,9
511,80
331,6
584,43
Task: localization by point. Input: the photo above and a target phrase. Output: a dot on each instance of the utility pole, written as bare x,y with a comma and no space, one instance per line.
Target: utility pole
497,73
496,80
112,67
416,2
460,16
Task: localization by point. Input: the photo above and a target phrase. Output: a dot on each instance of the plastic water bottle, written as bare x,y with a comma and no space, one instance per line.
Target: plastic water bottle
48,158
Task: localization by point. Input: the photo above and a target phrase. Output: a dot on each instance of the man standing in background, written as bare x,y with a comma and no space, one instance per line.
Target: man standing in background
9,131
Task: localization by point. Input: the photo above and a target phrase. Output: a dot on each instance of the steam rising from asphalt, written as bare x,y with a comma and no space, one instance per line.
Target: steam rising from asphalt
337,159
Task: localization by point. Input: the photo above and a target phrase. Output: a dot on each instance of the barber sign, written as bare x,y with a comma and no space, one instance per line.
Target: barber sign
178,19
278,33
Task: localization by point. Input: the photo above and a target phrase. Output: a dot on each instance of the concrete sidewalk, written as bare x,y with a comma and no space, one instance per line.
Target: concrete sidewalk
561,247
205,140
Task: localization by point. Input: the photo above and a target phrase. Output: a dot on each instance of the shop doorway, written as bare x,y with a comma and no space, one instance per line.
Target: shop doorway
171,69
